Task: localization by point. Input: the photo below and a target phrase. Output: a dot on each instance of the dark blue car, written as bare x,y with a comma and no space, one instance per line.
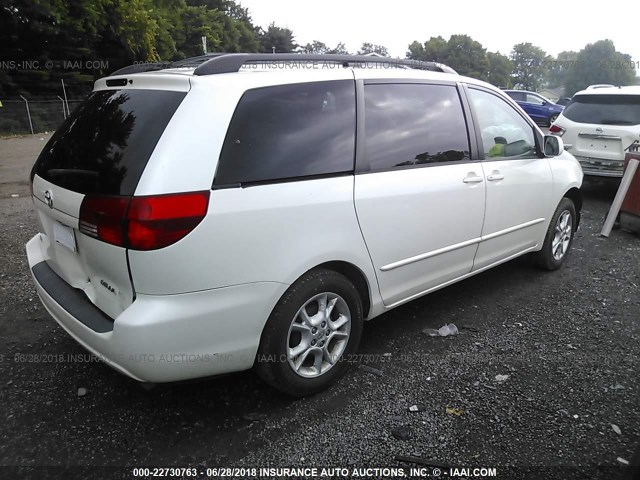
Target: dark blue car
540,109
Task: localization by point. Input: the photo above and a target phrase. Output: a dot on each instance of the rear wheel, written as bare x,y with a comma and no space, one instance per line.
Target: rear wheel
315,326
552,119
559,236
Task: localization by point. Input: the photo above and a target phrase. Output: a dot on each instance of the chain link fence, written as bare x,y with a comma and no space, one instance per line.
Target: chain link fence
25,116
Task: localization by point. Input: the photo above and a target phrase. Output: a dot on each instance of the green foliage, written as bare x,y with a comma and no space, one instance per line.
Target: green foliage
315,47
528,72
499,72
599,62
371,48
557,69
321,48
340,49
467,57
111,34
276,38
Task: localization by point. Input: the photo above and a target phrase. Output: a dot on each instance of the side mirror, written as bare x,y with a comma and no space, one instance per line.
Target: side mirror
553,146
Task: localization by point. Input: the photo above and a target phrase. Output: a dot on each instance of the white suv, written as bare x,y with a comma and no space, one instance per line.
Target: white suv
253,211
599,125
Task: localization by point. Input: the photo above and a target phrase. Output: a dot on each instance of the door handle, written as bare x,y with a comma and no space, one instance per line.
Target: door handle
472,178
495,176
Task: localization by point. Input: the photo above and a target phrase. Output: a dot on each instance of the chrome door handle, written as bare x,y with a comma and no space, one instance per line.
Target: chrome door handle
472,178
494,177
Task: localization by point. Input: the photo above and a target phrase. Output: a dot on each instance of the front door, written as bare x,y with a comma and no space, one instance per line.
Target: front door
519,181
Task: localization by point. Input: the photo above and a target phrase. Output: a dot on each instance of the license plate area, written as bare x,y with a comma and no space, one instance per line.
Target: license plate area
65,236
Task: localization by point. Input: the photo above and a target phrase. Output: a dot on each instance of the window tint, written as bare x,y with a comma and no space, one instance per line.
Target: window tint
534,99
290,131
517,96
504,132
412,124
104,146
604,109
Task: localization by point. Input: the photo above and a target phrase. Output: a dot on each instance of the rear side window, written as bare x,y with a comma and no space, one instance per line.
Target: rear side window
517,96
604,109
413,125
104,146
290,131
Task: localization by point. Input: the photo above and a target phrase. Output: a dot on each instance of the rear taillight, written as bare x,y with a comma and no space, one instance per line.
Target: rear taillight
158,221
104,218
556,130
143,223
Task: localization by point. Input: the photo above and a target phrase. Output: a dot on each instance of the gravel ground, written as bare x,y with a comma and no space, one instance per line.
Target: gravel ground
566,344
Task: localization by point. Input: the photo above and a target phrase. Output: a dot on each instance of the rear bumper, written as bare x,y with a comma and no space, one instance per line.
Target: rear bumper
600,167
164,338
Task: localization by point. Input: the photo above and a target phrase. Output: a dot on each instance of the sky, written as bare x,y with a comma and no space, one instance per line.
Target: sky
552,26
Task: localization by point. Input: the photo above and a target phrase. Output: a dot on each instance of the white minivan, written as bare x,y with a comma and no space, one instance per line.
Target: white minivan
242,211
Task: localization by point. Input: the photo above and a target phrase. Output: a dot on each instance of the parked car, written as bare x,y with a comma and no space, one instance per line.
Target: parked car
599,125
539,108
563,101
599,85
224,214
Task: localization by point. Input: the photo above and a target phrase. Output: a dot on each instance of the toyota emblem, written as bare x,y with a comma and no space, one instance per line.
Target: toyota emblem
48,197
599,130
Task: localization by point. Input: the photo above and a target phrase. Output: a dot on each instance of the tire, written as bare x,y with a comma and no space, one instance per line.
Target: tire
298,340
552,119
559,237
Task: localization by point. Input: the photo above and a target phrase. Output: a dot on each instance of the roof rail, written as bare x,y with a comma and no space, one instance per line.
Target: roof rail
214,63
232,62
150,67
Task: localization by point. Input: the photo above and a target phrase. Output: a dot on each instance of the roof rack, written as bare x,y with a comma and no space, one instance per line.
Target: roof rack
190,62
232,62
215,63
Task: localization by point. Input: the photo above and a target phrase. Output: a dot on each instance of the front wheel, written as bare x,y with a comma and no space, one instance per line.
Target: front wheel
552,119
311,332
559,237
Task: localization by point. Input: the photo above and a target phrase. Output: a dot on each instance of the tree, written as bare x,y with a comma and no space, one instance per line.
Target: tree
460,52
367,48
527,61
599,62
315,47
433,50
557,69
322,48
111,34
436,49
339,49
467,56
276,38
499,72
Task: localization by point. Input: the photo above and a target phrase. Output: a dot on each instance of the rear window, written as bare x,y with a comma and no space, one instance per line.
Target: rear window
604,109
290,131
104,146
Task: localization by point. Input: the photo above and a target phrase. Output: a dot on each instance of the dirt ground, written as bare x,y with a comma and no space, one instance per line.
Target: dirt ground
568,342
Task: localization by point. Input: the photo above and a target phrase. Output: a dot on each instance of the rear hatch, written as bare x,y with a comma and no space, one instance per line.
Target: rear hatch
86,175
604,126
